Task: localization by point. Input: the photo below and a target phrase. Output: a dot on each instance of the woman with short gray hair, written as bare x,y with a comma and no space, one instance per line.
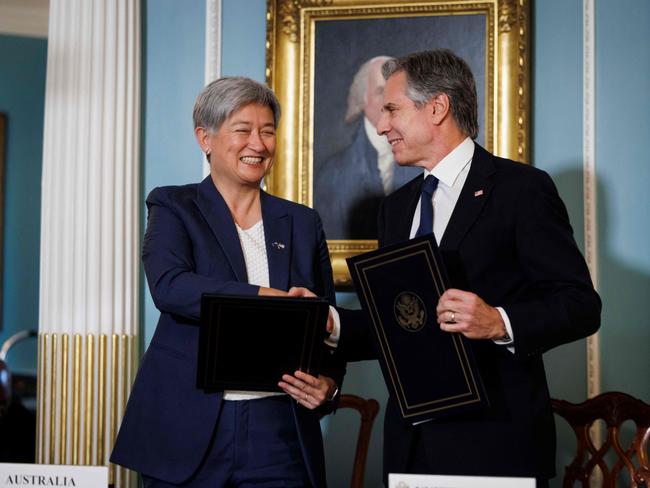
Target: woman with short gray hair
226,236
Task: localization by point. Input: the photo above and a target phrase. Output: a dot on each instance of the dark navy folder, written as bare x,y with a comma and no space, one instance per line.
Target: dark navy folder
248,343
429,372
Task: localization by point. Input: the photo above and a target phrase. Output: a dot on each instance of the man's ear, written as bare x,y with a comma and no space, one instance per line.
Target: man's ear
439,107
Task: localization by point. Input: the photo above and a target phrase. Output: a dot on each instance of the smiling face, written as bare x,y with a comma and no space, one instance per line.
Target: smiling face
410,131
242,150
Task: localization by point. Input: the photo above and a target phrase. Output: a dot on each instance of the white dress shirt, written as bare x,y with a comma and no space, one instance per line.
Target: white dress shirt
451,172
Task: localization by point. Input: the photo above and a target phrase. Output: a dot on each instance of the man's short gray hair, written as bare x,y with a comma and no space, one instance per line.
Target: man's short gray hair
224,96
359,87
429,73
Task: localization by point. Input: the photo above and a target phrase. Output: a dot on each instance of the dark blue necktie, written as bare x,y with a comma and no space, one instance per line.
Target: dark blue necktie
426,206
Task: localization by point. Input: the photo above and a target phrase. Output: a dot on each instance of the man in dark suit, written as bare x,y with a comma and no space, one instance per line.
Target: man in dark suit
521,286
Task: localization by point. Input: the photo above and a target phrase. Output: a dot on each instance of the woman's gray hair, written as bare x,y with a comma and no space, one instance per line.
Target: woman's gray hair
224,96
429,73
359,88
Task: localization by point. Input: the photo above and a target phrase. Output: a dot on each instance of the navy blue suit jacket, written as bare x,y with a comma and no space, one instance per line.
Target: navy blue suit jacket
191,247
509,241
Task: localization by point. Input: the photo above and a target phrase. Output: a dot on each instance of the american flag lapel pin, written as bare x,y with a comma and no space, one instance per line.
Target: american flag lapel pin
478,193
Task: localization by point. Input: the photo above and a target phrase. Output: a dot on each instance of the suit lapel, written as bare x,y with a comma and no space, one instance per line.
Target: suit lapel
473,196
217,215
277,233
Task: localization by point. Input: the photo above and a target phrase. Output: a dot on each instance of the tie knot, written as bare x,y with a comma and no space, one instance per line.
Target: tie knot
430,184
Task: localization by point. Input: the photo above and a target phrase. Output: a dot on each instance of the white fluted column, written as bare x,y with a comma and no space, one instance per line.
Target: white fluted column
212,51
88,321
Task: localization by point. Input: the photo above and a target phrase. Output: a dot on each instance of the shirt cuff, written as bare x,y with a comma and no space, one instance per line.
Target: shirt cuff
510,341
333,339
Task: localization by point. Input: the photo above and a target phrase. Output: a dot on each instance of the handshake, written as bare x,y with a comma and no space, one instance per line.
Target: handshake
297,292
301,292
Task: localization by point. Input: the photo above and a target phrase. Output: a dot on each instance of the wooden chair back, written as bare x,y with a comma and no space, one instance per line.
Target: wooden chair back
5,388
614,408
367,409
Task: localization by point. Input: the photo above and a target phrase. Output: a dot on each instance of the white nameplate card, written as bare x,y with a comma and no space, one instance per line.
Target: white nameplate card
52,476
396,480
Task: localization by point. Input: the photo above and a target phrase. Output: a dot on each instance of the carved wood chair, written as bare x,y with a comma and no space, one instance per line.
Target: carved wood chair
17,422
5,388
613,408
367,409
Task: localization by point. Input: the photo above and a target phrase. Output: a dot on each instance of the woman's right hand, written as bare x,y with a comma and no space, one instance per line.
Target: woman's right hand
296,292
299,291
271,292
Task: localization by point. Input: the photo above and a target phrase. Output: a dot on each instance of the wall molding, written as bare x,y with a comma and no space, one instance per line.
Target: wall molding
27,18
590,181
212,50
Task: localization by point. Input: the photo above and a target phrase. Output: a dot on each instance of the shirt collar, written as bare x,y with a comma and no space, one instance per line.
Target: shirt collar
449,167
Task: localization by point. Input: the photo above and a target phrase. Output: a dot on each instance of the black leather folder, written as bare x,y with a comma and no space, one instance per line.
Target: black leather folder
429,372
248,343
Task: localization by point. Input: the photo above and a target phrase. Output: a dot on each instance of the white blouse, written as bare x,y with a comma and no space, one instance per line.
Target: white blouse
253,245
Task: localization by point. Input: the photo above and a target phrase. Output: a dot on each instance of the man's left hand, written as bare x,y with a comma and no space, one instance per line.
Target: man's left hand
465,312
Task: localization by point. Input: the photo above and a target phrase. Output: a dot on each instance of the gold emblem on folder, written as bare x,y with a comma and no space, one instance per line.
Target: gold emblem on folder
409,311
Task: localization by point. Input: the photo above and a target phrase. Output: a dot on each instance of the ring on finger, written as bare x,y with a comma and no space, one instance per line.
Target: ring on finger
453,317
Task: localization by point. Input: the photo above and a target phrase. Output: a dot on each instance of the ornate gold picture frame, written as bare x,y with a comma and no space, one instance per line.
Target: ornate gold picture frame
315,49
3,148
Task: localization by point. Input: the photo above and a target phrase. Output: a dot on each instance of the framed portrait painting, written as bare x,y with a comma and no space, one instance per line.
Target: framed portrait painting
324,61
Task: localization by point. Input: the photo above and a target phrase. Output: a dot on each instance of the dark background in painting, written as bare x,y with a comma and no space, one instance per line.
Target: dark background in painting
343,45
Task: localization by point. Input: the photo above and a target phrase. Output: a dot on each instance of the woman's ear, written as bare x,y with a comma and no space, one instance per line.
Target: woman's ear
202,137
